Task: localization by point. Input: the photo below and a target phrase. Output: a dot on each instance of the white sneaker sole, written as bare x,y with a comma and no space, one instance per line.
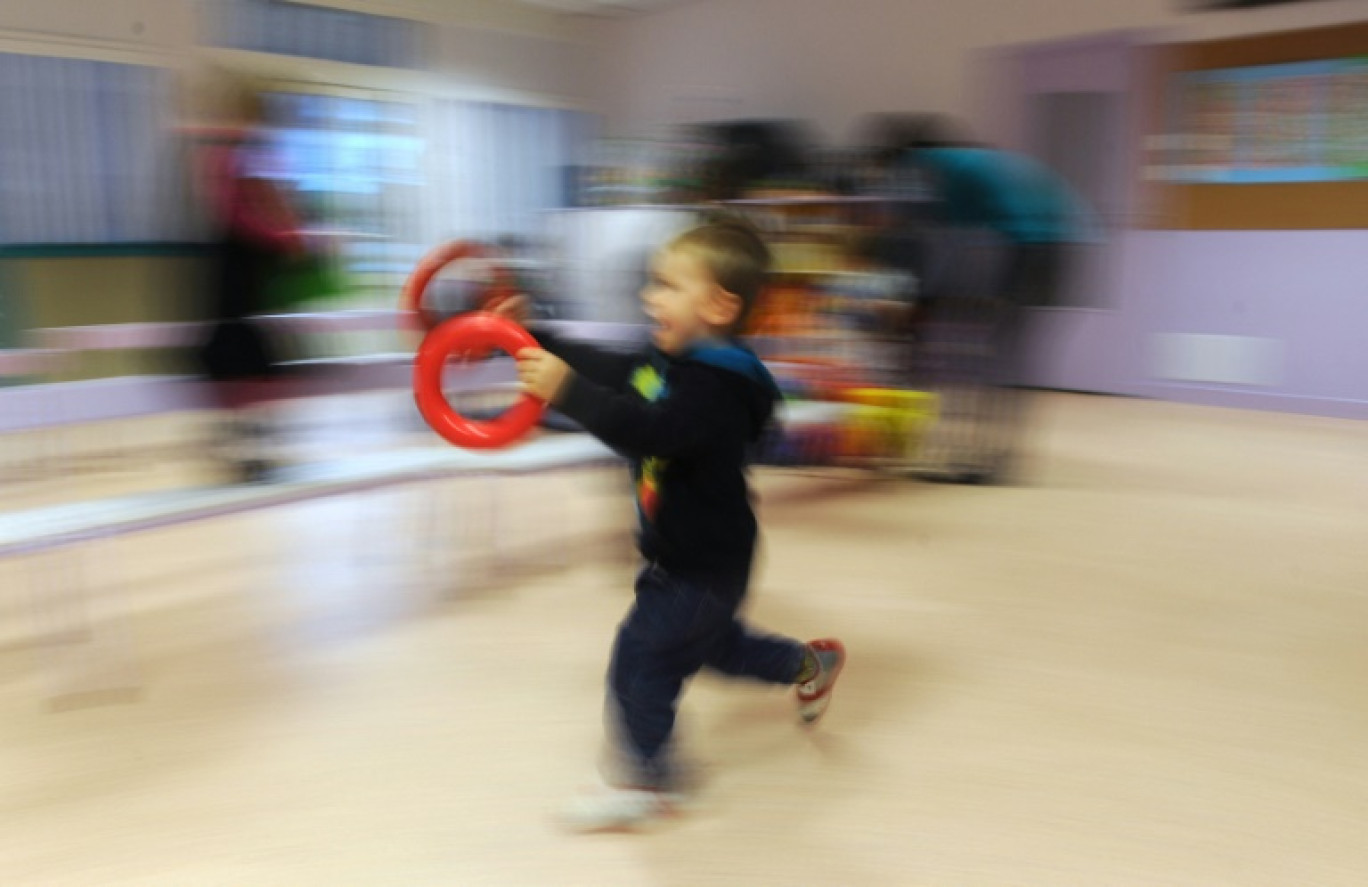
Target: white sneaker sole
619,810
811,712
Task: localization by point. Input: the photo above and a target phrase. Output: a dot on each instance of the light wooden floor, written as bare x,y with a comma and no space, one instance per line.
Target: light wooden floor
1148,667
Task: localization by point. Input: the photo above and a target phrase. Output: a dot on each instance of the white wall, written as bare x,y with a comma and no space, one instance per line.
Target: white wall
491,48
135,31
504,15
497,49
830,60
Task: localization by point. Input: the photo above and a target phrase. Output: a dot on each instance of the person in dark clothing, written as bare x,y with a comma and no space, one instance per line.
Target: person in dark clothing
255,234
1014,226
685,412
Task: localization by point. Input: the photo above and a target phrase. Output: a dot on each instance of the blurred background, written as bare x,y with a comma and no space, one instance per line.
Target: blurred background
399,127
208,212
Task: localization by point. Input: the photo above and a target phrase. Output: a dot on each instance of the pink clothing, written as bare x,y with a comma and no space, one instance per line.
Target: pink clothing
246,205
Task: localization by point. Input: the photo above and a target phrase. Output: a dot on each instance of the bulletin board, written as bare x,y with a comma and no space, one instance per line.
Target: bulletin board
1266,132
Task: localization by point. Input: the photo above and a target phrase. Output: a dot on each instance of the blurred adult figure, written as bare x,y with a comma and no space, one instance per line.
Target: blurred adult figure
254,233
1006,229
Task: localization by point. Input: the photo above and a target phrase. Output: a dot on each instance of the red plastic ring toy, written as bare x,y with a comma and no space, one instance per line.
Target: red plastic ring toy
411,297
472,333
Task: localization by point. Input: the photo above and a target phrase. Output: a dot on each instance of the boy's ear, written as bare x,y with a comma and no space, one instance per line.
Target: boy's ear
723,308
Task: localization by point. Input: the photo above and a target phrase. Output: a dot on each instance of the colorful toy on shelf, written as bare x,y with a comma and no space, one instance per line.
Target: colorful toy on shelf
877,424
782,311
886,423
805,445
815,378
826,329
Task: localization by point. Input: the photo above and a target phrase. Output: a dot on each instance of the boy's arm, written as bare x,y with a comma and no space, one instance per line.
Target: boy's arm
609,367
700,410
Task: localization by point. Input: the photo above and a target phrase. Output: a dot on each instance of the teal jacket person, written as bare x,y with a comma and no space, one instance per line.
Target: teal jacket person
1005,192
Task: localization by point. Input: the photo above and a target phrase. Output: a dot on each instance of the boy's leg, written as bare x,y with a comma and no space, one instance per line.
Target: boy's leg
644,687
663,641
741,652
813,666
674,629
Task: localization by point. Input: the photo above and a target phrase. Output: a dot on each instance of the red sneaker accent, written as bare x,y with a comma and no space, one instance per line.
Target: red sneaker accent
815,695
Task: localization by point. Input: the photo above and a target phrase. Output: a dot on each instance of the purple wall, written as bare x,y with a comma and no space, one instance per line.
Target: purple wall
1303,290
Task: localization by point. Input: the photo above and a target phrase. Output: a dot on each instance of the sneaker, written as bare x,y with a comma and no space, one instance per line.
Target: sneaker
611,808
815,695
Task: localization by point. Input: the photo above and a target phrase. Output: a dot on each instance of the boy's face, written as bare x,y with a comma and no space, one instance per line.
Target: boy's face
685,302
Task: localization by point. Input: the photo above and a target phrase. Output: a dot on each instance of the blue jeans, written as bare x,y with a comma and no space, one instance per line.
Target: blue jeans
677,627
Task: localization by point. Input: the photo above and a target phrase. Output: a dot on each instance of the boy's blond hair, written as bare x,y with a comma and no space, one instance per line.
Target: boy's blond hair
735,255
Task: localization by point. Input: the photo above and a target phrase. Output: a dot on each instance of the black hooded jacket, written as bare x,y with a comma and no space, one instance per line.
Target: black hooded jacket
686,424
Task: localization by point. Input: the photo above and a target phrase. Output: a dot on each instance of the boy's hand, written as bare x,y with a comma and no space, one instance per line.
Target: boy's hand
516,308
541,373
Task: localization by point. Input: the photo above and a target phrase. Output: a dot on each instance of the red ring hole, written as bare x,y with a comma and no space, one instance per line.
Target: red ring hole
472,333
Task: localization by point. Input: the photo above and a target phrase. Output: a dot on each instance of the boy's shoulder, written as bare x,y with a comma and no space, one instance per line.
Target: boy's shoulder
726,361
730,357
728,376
738,370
